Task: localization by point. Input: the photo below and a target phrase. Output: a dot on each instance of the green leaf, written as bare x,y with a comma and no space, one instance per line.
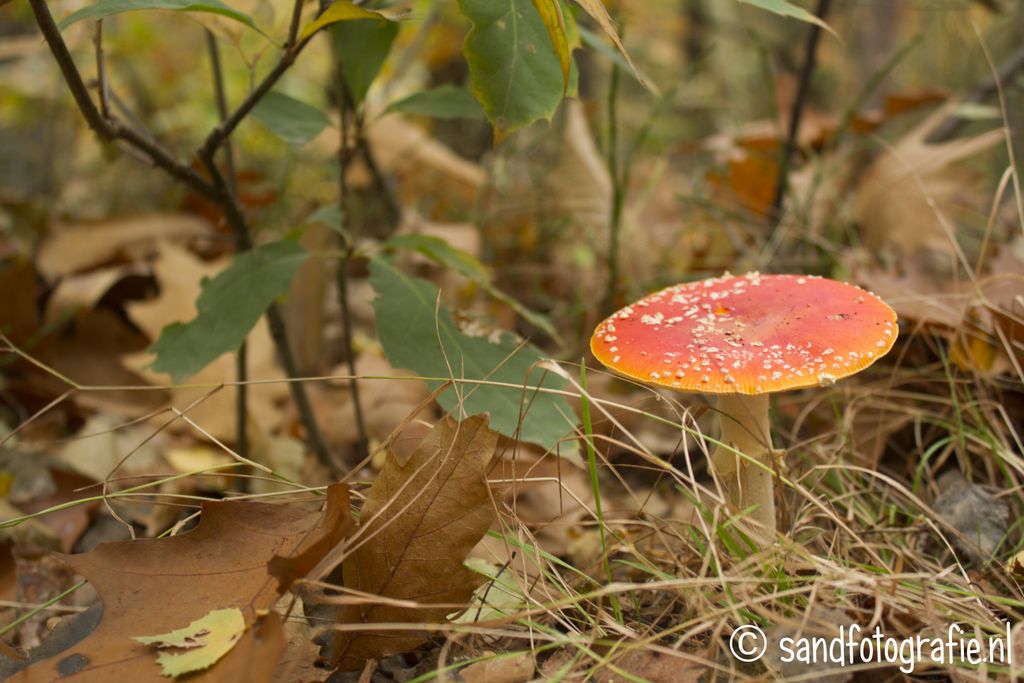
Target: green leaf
443,102
441,252
290,119
419,335
513,68
550,12
106,8
340,10
206,641
361,47
784,8
331,216
228,307
469,266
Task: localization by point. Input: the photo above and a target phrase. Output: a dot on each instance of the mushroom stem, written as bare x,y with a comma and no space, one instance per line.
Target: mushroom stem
745,427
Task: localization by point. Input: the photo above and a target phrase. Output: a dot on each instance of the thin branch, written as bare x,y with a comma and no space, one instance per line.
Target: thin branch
347,245
101,71
110,129
218,190
618,190
241,369
796,114
292,48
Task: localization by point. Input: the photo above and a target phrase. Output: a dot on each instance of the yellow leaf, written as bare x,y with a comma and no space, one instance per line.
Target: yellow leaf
598,12
341,10
205,641
550,12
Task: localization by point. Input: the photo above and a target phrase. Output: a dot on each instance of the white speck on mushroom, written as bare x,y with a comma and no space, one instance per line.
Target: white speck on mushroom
655,319
825,379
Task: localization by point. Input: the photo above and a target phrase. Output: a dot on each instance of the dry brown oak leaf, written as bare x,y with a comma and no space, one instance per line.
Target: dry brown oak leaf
420,520
152,586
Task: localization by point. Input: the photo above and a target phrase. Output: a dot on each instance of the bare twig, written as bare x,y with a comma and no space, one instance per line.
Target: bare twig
618,190
802,91
347,246
107,128
101,71
292,48
241,370
217,189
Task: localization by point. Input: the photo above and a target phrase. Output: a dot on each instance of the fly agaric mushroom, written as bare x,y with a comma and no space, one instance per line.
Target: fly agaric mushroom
743,338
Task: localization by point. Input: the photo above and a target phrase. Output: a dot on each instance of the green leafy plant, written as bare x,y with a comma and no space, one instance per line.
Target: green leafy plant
493,374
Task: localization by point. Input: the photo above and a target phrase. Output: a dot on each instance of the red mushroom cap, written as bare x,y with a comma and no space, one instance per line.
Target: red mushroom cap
749,334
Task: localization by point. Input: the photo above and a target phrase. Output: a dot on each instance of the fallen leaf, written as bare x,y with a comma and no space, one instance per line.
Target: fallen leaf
154,585
80,291
505,668
18,317
74,248
421,166
749,180
205,641
89,351
911,182
103,442
418,523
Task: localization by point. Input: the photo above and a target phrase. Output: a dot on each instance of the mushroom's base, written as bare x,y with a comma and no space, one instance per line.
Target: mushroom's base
745,427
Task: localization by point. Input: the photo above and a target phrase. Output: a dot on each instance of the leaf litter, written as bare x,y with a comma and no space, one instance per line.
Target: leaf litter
223,563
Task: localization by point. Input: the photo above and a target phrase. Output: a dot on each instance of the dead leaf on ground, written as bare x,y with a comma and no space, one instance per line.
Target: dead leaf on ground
84,290
87,350
157,585
517,668
74,248
422,166
418,524
18,316
748,180
910,182
646,664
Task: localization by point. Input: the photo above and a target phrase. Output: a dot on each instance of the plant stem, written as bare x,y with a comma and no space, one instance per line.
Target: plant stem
595,485
241,371
745,427
799,100
618,191
109,129
101,70
347,245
